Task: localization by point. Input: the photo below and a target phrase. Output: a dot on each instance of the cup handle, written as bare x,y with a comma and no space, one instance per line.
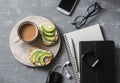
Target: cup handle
16,40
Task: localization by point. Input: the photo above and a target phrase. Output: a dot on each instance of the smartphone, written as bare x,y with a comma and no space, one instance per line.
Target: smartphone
66,6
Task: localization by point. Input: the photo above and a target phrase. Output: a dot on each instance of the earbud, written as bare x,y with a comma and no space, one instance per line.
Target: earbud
68,75
67,63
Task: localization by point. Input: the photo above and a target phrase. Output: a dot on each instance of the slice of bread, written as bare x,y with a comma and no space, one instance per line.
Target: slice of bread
46,42
44,62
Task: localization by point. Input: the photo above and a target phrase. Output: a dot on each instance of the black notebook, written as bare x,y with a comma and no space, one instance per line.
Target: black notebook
97,63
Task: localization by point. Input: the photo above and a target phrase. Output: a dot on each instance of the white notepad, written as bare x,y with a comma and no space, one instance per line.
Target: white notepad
92,33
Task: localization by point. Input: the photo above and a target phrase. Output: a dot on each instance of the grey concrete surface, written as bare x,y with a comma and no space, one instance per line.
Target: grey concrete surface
11,11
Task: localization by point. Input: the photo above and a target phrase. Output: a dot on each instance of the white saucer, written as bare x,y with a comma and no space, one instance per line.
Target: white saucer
21,50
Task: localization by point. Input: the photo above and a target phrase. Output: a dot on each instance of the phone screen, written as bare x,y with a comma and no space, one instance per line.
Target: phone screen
67,4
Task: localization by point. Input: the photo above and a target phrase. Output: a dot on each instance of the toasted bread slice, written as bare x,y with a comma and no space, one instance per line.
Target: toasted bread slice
40,57
45,37
47,43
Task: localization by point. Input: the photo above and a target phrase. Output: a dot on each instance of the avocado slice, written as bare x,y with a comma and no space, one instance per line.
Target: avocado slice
50,39
38,56
49,34
41,60
33,57
48,28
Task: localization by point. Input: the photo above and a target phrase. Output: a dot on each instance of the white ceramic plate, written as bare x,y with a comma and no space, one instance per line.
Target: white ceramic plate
21,50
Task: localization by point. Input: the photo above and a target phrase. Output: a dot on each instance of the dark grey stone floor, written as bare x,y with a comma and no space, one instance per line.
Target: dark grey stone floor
11,11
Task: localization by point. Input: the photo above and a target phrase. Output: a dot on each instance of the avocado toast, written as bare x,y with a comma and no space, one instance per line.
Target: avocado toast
40,57
49,34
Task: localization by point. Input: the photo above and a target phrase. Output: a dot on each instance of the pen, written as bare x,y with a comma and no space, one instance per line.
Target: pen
73,47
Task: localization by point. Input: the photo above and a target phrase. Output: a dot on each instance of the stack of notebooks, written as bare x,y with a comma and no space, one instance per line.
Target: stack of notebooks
97,62
73,44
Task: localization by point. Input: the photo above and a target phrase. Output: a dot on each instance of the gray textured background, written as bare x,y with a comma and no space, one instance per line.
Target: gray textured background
11,11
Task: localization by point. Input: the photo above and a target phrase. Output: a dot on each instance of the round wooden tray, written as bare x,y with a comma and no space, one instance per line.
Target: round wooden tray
21,50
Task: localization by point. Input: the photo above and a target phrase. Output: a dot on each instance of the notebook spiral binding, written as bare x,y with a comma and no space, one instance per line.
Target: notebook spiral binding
72,60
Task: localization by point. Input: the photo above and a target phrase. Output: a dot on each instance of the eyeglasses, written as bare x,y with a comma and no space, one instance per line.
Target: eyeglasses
92,10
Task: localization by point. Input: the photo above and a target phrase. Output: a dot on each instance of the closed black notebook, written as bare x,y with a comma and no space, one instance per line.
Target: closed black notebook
97,63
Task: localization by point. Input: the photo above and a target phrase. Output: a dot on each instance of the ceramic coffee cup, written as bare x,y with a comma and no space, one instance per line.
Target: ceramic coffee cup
28,31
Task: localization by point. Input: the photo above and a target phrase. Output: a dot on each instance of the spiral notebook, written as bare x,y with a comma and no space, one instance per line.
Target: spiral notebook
92,33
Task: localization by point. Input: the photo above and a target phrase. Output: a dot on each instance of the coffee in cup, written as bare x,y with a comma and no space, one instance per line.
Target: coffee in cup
28,31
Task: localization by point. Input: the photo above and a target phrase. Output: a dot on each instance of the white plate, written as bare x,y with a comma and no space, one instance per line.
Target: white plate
21,50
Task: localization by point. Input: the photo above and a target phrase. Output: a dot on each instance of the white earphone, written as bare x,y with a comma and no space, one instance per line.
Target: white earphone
67,63
68,75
